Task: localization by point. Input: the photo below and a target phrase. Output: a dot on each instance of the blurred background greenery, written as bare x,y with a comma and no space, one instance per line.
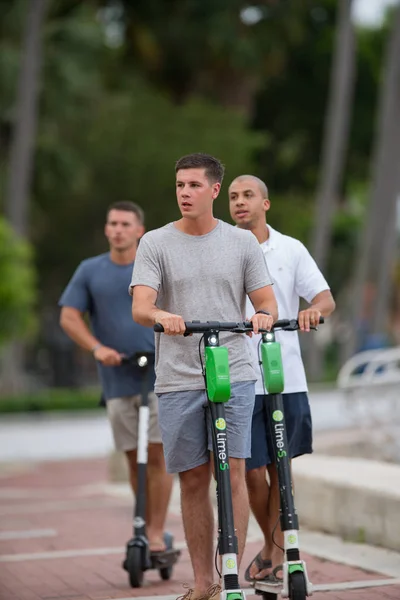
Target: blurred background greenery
99,98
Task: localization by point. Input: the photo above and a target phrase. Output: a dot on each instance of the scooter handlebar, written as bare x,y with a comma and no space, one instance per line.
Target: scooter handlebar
234,327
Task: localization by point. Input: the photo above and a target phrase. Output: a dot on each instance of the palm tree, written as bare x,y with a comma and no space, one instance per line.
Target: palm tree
336,134
335,141
376,254
21,159
23,139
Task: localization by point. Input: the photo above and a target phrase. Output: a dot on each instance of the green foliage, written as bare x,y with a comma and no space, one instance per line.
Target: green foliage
124,146
290,214
114,119
11,24
50,400
17,286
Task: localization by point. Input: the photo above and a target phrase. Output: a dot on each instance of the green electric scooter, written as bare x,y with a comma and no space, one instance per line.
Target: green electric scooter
217,379
295,583
138,556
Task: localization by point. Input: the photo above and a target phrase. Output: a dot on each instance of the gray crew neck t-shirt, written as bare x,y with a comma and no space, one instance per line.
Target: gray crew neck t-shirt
201,278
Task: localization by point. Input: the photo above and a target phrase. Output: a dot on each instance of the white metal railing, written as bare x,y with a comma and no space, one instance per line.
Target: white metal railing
371,368
370,382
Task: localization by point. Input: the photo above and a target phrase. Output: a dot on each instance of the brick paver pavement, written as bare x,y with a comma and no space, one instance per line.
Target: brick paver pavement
73,530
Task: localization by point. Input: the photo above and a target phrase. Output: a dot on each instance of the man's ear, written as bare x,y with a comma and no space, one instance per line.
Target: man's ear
216,190
267,204
142,230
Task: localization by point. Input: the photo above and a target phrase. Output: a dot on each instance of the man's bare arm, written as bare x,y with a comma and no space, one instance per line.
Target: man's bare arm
324,302
264,299
72,322
322,305
145,311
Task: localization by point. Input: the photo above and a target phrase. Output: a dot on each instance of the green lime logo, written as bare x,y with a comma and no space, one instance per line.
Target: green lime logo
230,563
292,539
277,415
220,424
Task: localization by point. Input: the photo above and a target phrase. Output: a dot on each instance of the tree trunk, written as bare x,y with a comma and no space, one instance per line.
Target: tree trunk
21,163
23,139
336,132
334,149
378,239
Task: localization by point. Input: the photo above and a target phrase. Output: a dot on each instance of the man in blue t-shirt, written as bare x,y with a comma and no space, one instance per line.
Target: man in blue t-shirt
99,288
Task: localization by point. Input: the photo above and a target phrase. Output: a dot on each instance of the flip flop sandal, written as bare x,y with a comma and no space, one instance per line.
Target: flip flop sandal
273,578
261,563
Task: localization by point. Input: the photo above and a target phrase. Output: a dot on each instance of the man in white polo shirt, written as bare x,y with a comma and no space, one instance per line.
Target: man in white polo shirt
295,275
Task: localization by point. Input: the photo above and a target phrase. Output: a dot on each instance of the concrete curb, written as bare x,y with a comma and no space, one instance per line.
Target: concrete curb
354,498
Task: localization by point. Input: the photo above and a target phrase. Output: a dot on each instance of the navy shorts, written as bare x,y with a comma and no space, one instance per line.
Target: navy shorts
298,429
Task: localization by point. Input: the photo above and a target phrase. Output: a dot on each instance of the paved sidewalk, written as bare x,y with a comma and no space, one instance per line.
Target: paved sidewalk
62,534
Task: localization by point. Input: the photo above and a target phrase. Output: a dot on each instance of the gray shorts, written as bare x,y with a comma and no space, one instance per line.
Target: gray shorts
185,426
123,414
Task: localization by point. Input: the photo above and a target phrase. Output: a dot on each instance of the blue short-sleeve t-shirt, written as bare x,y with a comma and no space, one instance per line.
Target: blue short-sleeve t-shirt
99,287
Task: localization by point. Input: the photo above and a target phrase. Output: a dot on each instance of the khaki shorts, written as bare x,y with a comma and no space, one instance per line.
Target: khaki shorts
123,414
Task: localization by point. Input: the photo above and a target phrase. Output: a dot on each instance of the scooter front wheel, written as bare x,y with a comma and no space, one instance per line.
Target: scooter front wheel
134,566
269,596
297,586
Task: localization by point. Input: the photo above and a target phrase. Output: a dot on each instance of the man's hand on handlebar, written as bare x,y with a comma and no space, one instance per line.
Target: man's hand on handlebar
108,356
309,318
261,321
172,324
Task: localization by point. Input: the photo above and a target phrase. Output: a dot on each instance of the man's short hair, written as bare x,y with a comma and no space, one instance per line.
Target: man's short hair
128,207
262,186
214,169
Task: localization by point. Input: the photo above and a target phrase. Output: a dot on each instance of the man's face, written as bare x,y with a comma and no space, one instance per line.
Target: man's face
123,230
247,204
194,192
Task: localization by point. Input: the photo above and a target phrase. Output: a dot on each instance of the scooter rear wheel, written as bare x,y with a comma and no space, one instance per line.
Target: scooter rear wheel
297,586
166,572
134,566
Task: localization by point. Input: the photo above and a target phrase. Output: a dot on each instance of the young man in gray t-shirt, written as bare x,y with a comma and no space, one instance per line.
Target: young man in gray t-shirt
200,268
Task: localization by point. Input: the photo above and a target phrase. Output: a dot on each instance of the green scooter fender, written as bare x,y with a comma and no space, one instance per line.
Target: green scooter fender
217,373
272,367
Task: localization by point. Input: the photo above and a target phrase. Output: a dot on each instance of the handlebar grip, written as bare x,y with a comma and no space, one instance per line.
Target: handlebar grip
281,323
158,328
321,320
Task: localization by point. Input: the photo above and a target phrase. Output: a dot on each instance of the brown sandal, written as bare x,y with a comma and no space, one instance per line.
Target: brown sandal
261,564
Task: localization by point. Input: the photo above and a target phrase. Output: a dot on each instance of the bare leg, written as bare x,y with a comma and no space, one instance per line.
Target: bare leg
273,515
198,522
159,487
259,496
131,456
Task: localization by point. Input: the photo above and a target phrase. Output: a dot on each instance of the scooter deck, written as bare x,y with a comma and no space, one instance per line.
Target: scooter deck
271,590
162,560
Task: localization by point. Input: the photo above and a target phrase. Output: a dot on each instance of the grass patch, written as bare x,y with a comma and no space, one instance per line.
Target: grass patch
49,400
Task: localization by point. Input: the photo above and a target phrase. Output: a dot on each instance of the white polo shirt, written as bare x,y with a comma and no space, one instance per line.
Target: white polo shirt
295,275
